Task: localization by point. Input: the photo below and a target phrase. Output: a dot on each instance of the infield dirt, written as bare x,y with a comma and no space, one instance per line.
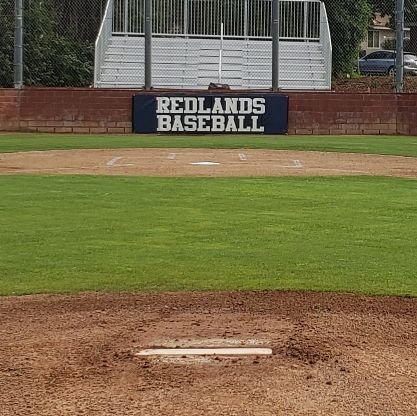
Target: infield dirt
333,354
205,162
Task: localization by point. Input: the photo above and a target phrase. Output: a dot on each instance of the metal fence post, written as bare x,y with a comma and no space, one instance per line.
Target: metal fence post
186,17
246,18
275,45
18,44
148,44
126,19
399,67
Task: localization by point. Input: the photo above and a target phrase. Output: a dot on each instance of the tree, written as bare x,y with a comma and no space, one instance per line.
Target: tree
51,58
6,43
59,40
79,19
387,7
348,21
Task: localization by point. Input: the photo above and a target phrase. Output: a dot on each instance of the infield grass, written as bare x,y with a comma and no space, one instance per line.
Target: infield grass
86,233
389,145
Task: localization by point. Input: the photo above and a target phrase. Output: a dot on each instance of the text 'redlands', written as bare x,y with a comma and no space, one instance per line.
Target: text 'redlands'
210,114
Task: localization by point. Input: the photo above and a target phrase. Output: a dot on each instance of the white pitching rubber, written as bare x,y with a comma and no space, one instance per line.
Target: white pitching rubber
205,351
205,163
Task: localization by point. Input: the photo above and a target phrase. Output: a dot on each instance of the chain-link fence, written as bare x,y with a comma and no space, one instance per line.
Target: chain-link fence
72,43
58,41
196,42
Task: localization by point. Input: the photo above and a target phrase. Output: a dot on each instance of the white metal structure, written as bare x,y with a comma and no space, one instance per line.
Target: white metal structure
187,44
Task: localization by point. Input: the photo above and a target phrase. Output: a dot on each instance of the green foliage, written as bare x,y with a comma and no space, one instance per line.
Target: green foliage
387,7
58,46
348,20
6,43
53,59
390,44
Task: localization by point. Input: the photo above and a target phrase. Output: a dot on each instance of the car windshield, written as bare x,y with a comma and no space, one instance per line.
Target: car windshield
380,55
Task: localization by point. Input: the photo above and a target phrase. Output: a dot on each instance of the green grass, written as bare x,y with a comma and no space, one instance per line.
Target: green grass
78,233
390,145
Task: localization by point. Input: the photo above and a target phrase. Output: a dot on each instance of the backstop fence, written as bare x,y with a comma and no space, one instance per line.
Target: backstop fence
100,43
196,42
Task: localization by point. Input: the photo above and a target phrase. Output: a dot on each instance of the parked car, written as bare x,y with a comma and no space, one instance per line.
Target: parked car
383,62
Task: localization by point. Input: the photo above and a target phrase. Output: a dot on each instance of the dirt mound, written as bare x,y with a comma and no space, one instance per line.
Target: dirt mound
333,354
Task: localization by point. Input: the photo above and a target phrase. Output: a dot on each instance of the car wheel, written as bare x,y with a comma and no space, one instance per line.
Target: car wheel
391,71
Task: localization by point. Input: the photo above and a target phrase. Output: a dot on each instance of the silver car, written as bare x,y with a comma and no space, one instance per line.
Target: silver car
383,62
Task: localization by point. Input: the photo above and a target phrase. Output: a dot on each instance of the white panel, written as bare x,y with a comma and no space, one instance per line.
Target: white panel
194,63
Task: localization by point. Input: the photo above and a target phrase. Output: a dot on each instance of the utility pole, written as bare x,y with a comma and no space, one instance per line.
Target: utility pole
275,45
399,66
18,44
148,44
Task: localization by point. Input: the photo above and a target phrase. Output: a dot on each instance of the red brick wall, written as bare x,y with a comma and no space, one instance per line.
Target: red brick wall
76,110
109,111
407,114
342,113
9,110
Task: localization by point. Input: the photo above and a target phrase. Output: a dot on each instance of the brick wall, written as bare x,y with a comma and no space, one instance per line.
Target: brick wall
343,113
9,110
109,111
407,114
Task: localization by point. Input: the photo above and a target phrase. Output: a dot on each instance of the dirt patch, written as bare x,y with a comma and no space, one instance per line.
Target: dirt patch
199,162
373,84
333,354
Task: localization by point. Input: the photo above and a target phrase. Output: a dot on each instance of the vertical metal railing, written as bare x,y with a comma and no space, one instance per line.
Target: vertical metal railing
326,42
299,19
128,16
102,40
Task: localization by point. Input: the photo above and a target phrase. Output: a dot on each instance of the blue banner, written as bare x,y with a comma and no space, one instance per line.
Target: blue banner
180,113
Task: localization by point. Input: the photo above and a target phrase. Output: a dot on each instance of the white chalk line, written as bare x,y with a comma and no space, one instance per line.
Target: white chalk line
296,164
54,169
113,162
342,170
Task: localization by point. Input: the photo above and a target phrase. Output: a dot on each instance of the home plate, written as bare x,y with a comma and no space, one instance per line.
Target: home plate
204,351
205,163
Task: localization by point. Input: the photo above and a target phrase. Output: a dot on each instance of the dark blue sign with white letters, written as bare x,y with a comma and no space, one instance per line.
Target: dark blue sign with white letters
217,113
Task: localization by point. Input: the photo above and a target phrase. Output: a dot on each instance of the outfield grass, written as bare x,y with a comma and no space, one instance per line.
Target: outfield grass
78,233
389,145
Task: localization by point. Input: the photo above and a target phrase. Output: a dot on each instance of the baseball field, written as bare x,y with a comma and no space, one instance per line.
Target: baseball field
114,244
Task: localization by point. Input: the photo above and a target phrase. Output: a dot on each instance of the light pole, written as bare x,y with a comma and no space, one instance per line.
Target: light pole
148,44
399,66
275,45
18,44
